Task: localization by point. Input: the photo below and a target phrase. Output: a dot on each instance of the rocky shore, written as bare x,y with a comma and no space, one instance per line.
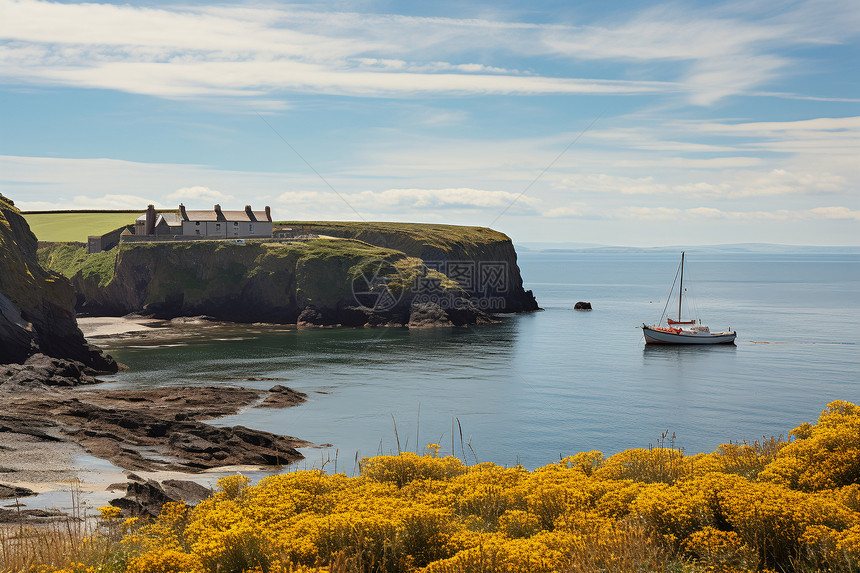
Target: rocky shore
53,409
49,405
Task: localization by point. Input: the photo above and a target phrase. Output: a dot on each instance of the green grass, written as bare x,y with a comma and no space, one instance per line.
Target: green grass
68,227
403,236
67,259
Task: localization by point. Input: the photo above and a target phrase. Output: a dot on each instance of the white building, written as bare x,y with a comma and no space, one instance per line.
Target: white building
214,224
227,224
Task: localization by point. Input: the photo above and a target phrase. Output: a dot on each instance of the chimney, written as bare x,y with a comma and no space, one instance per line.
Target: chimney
149,229
182,212
218,214
250,213
268,213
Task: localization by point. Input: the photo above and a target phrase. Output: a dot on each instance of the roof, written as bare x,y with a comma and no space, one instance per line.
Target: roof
172,219
228,216
175,219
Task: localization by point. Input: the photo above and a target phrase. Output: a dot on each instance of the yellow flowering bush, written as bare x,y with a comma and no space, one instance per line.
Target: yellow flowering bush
823,456
407,467
165,561
773,505
721,550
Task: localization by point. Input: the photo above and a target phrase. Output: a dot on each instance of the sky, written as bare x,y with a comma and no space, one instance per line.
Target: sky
619,123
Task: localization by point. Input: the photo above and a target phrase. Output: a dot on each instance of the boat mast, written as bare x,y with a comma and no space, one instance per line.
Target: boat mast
681,289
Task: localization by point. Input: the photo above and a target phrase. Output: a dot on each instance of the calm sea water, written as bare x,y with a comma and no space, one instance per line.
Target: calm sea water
553,383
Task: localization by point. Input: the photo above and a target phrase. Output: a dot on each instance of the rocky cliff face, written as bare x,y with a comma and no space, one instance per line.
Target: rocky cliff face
481,260
37,313
319,282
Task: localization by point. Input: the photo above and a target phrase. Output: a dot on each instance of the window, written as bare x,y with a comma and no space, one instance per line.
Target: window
217,226
197,223
235,224
250,227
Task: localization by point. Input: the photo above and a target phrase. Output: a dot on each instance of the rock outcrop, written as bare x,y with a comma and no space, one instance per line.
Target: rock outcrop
483,260
146,498
37,307
40,370
152,429
315,283
468,273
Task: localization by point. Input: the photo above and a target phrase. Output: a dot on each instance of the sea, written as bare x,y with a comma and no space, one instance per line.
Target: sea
537,387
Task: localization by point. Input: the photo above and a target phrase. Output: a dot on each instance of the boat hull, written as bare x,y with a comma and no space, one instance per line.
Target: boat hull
656,336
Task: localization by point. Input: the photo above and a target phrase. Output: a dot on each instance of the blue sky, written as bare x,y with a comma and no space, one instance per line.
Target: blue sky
625,123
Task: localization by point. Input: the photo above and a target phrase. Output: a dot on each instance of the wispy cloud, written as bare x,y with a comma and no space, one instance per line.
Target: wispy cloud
735,185
198,192
651,214
257,52
413,199
238,51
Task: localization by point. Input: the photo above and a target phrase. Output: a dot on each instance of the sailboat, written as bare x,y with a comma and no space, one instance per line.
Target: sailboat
675,332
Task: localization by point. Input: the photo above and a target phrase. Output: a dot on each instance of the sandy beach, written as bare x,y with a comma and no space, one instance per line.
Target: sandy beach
101,326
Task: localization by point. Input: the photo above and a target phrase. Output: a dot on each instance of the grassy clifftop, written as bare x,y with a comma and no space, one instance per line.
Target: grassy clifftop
415,239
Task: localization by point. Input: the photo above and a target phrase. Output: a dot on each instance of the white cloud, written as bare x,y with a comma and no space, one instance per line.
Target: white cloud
392,200
835,213
110,201
768,128
611,183
732,185
200,192
574,210
238,50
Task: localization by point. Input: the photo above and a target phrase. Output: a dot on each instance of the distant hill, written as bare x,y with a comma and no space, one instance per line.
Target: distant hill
761,248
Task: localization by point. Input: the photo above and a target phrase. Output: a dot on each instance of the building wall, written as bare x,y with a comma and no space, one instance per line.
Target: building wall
99,243
164,229
227,229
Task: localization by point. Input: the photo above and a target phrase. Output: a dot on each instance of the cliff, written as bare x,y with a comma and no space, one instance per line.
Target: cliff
316,282
37,307
372,274
481,260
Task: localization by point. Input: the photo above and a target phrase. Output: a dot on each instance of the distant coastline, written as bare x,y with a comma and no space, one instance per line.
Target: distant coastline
761,248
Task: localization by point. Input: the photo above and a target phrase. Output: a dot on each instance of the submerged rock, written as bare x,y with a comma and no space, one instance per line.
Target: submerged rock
283,397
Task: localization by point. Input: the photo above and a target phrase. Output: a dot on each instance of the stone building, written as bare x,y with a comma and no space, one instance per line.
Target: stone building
214,224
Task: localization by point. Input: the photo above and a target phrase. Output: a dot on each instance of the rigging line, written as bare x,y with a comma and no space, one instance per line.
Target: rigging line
547,168
671,290
348,204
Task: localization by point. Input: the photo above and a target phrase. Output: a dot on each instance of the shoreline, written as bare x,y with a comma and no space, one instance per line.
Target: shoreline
93,442
106,326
